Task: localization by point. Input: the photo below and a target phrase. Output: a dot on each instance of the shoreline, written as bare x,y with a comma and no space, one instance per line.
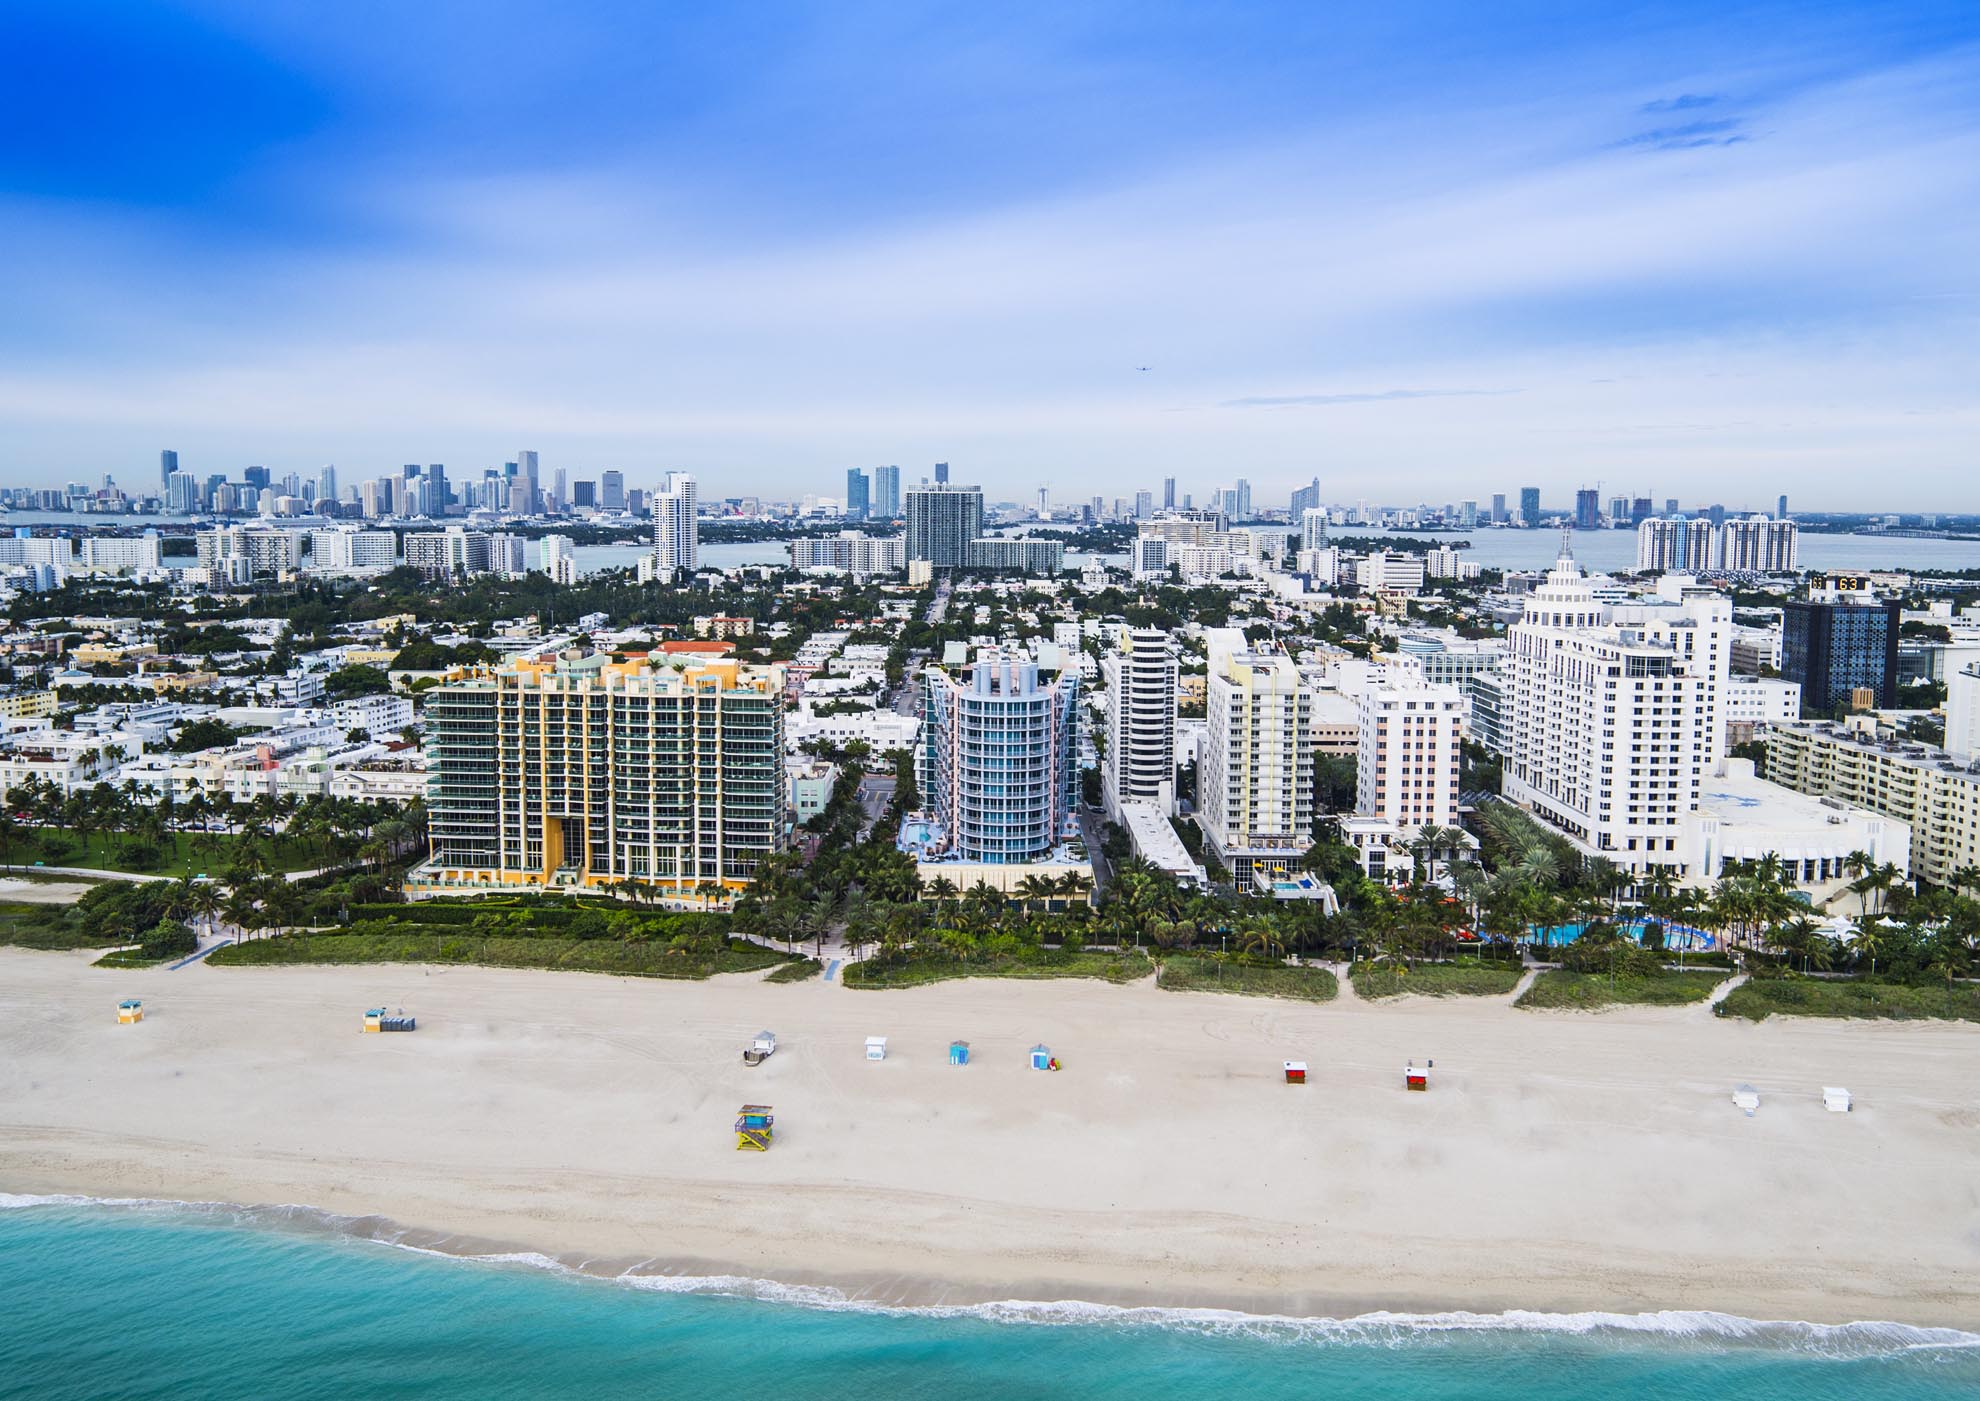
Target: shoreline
1854,1337
586,1121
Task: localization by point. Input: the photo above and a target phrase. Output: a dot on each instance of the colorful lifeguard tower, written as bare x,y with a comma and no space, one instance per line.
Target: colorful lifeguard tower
378,1019
876,1048
755,1127
959,1053
1417,1077
1043,1059
130,1011
1295,1072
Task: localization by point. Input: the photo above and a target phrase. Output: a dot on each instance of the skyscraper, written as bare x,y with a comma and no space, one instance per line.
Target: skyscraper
584,494
1141,677
1168,493
1144,505
1836,649
434,490
326,483
856,498
886,492
1587,510
168,463
561,490
1243,512
1498,508
942,520
676,528
1305,499
1780,513
612,491
1529,507
941,472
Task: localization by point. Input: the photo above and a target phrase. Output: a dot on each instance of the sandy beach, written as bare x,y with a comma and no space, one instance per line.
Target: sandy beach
1561,1162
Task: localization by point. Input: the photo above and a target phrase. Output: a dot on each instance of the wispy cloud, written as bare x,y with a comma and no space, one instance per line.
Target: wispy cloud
1687,136
1315,401
1683,102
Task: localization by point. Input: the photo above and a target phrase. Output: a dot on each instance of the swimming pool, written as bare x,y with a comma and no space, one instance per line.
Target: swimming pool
1676,936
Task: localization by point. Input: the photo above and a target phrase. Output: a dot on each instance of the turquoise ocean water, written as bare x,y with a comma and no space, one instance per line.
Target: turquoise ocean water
99,1301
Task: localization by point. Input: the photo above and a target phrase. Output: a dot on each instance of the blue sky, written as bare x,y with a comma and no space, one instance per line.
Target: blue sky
1419,251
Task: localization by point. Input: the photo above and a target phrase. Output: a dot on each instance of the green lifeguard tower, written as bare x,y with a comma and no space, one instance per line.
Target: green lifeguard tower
755,1127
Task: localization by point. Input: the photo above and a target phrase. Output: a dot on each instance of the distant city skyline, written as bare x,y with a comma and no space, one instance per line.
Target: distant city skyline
1704,252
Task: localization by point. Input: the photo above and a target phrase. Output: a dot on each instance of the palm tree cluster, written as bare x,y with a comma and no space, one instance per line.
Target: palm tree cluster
315,831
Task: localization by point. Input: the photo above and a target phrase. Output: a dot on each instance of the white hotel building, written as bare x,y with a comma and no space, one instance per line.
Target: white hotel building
1406,771
1613,714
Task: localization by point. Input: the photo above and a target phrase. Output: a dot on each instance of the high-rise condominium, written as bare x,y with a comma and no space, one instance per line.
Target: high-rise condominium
886,492
1255,782
612,491
1498,508
856,494
942,521
1168,493
168,463
588,772
1141,677
1305,499
1587,509
676,531
1529,507
941,472
998,758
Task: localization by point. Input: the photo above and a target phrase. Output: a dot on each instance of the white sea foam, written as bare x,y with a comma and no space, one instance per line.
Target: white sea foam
1696,1327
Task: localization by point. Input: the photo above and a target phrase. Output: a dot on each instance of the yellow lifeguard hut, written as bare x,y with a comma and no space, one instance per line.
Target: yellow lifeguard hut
130,1010
755,1127
378,1019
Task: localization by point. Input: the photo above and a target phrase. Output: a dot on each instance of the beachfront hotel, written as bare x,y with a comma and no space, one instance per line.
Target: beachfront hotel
997,765
1255,780
582,771
1410,746
1613,713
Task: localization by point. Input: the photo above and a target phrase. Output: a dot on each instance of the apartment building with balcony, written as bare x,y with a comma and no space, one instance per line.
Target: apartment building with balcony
1140,675
1255,780
582,771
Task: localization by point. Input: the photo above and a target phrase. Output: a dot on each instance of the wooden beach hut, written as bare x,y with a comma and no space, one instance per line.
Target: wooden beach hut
1417,1077
755,1127
959,1053
1295,1072
130,1011
876,1048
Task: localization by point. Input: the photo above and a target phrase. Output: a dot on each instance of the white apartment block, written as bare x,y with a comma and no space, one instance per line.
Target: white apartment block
1934,793
253,552
1406,774
334,551
1141,677
1755,544
1255,781
557,557
1754,701
1613,714
120,554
